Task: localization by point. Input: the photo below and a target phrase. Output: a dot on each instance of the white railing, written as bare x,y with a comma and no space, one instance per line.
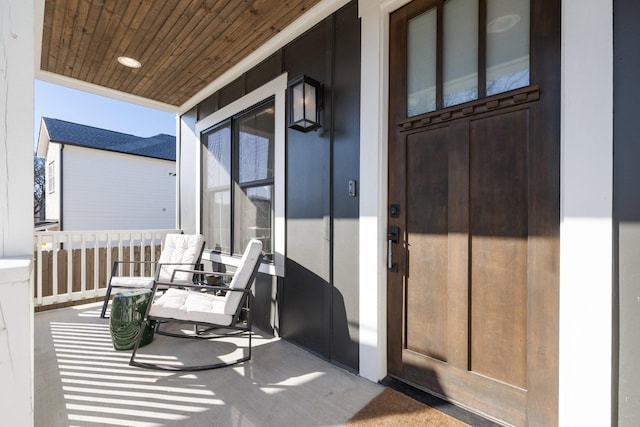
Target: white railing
76,265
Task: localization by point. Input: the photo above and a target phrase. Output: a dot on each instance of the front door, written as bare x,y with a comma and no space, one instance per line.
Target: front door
474,202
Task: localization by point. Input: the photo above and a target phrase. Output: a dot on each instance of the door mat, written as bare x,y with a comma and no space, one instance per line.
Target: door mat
392,408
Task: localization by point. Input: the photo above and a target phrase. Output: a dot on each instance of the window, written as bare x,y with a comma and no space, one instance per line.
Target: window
242,177
238,179
462,50
51,185
217,188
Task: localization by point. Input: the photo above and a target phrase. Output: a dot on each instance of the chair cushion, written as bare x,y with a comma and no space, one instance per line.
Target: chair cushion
180,249
132,282
242,275
181,304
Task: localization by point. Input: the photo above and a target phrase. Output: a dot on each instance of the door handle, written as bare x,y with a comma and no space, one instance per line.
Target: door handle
392,237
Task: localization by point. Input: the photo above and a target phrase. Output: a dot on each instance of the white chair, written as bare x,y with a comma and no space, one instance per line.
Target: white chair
178,250
214,311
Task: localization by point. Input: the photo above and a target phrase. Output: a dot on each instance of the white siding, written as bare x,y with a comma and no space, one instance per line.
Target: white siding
113,191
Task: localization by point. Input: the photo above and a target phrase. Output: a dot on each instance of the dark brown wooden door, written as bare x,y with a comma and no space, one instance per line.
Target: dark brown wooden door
473,305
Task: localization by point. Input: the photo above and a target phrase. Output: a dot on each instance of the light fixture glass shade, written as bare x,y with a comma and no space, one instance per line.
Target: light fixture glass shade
297,106
304,104
129,62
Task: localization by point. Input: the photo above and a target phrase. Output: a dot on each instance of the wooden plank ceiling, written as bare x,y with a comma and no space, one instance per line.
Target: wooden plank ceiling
183,45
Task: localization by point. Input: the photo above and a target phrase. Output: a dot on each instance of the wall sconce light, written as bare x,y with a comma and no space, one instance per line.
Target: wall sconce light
305,103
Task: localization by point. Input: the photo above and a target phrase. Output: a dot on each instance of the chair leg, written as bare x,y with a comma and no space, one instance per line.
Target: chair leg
248,330
163,367
106,302
249,324
132,362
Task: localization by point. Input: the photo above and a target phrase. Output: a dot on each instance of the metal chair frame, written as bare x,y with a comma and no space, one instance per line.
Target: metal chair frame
237,326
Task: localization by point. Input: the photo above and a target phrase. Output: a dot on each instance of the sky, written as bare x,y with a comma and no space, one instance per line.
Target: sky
59,102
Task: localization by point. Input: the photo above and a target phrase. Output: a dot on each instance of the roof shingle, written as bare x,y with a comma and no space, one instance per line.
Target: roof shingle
161,146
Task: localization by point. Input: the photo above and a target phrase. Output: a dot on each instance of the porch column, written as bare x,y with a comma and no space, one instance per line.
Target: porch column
586,214
373,194
374,94
16,211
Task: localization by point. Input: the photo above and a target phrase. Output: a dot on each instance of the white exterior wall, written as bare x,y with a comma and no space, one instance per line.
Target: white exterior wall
16,211
112,191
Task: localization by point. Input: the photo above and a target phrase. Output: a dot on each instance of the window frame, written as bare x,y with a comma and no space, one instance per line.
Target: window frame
235,186
51,184
275,89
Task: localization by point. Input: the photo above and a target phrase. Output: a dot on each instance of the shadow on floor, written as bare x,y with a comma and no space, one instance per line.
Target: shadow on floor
82,381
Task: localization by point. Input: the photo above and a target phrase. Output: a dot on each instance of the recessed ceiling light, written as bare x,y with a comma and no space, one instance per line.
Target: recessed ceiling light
502,23
129,62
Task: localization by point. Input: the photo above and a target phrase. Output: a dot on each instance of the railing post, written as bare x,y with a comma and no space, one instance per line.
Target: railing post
96,264
40,269
83,265
69,266
152,251
132,255
108,255
143,254
120,252
54,262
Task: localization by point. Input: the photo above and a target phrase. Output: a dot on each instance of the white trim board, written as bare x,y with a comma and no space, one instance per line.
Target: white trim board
586,227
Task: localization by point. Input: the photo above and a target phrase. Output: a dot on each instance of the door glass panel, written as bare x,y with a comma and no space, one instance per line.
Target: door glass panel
460,53
216,189
421,63
507,45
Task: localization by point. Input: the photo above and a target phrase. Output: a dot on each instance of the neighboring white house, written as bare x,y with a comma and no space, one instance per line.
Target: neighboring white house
97,179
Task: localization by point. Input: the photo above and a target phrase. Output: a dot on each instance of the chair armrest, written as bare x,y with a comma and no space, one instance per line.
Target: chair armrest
201,287
160,265
135,262
201,273
176,263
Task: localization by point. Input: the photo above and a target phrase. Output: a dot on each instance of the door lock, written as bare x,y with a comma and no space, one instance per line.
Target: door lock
393,236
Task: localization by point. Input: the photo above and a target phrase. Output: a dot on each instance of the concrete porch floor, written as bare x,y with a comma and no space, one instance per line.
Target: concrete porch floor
80,380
